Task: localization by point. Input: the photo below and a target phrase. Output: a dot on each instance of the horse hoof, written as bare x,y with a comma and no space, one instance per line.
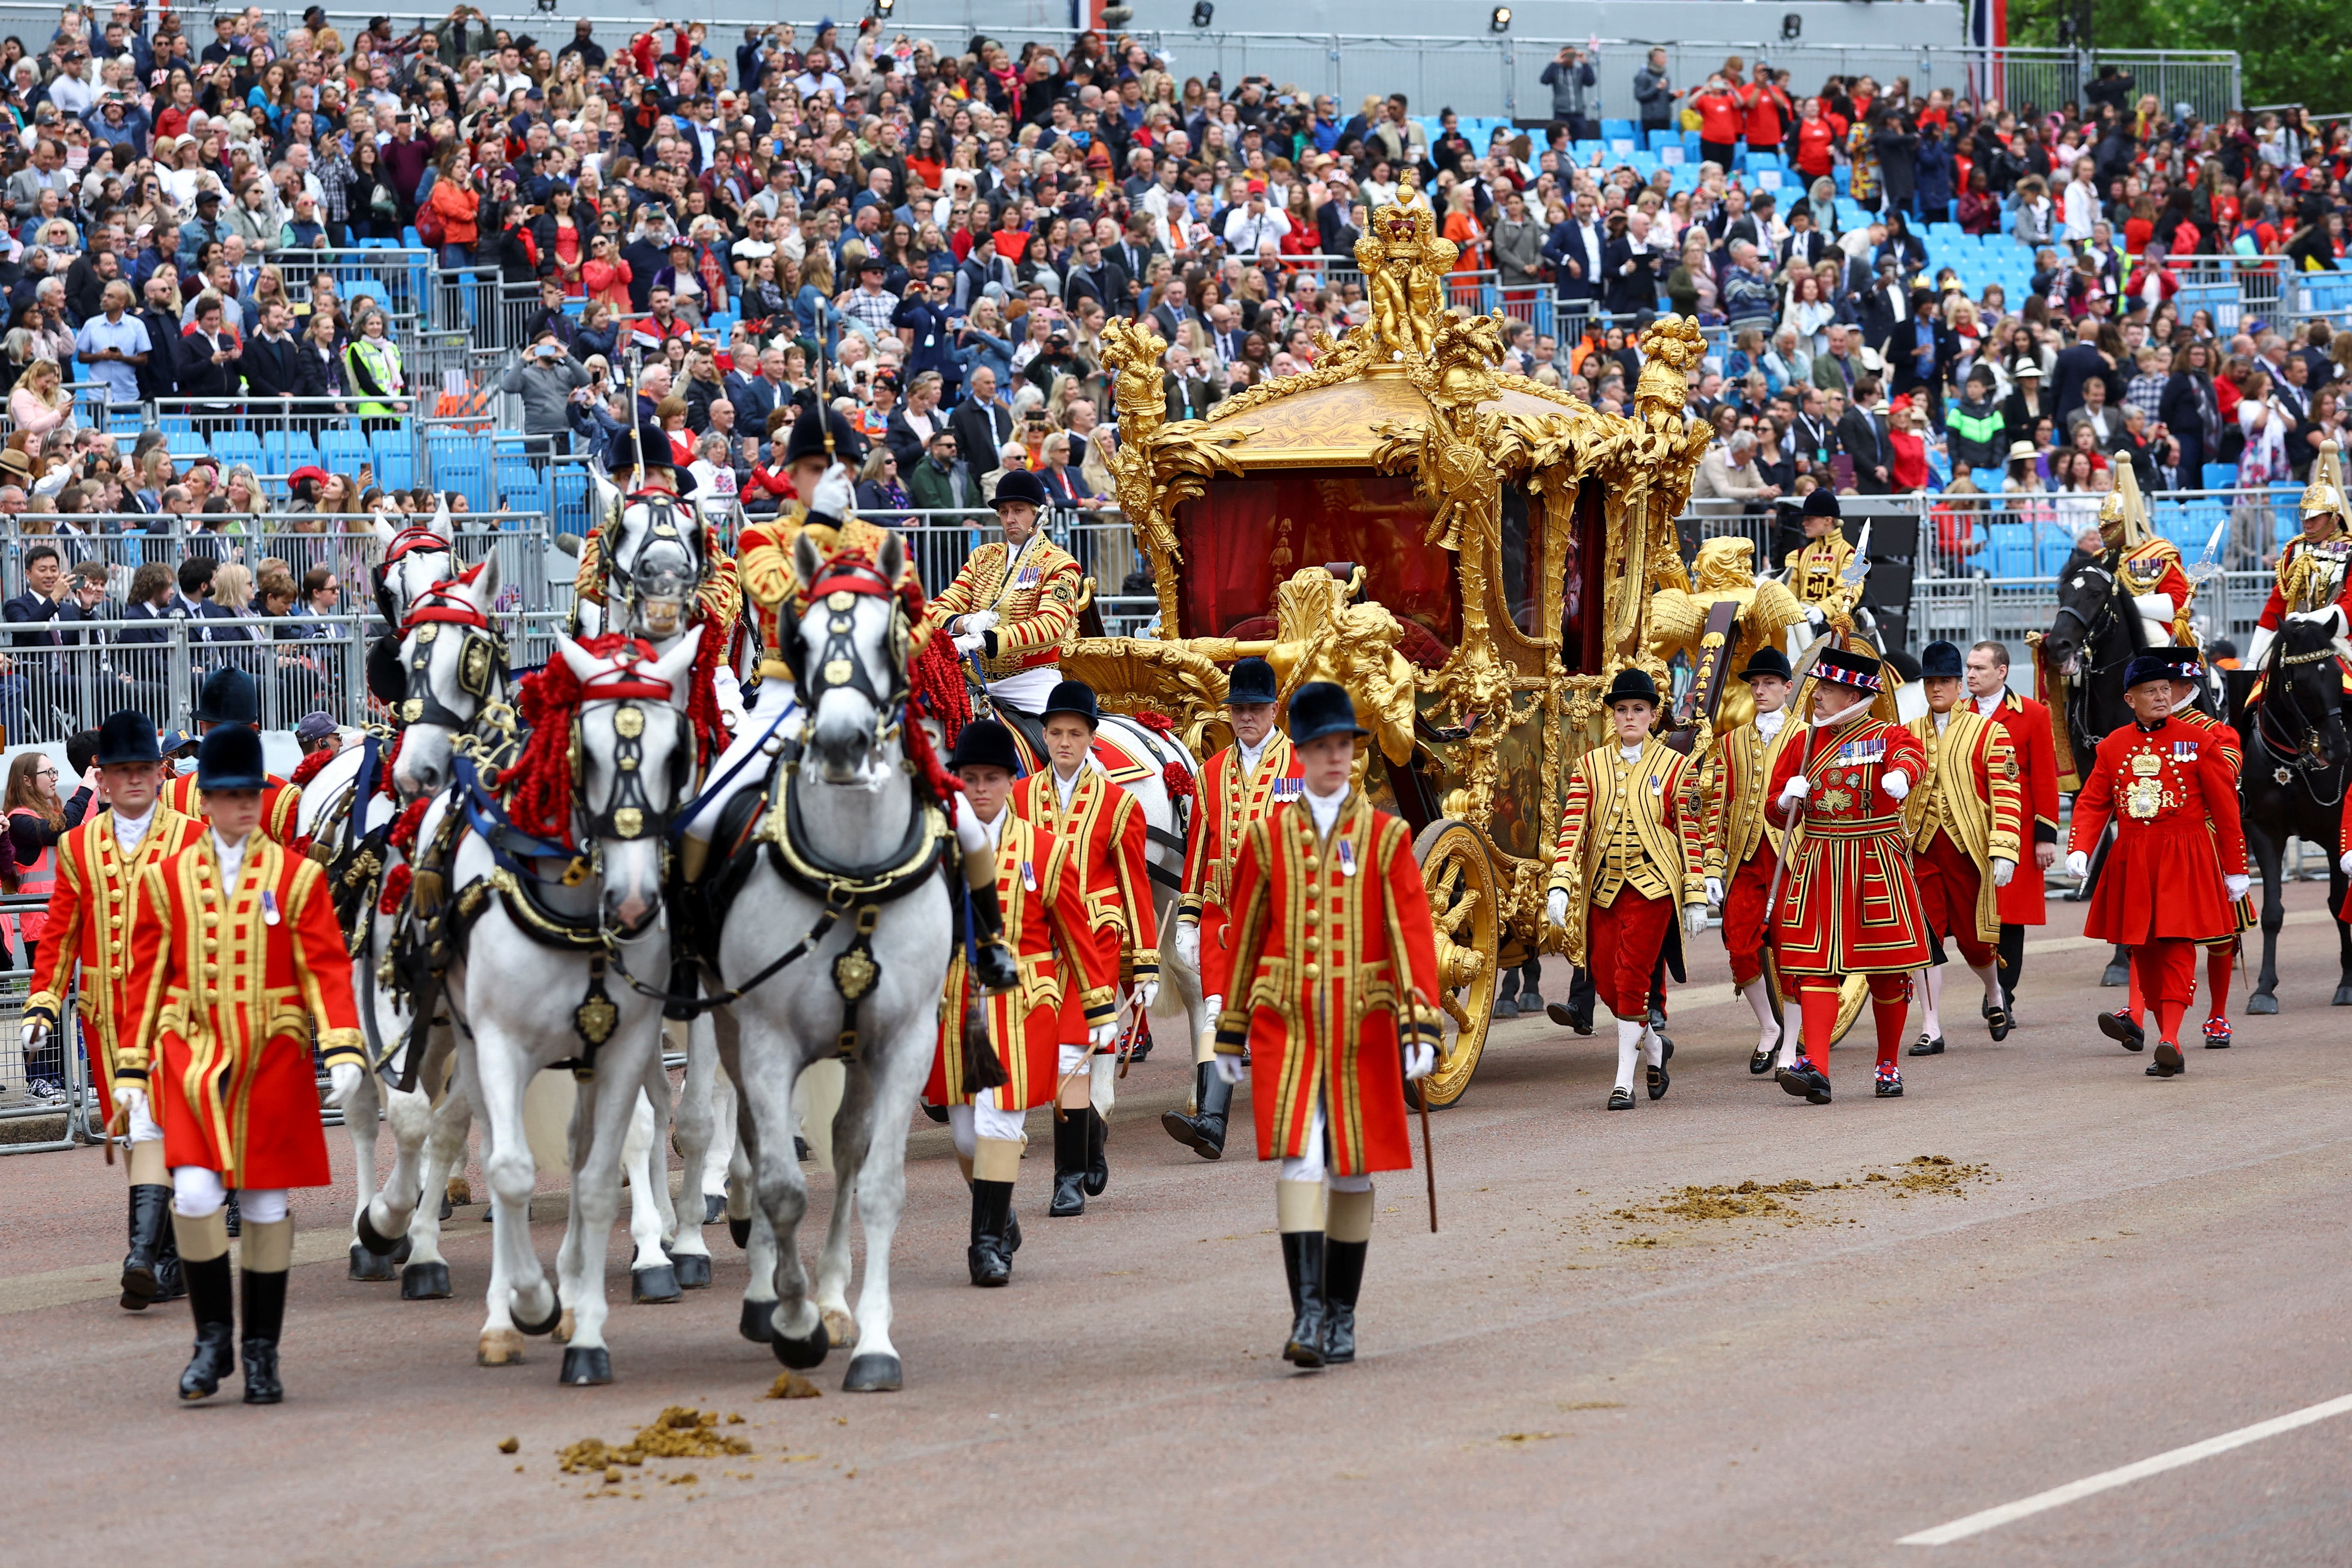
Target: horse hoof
425,1282
459,1192
499,1347
738,1231
2267,1004
2343,997
840,1327
800,1355
374,1240
564,1328
586,1366
714,1207
872,1375
369,1268
693,1269
447,1208
652,1286
555,1314
400,1254
755,1324
2117,974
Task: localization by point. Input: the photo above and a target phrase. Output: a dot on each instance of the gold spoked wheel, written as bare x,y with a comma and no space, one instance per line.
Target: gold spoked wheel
1853,994
1462,906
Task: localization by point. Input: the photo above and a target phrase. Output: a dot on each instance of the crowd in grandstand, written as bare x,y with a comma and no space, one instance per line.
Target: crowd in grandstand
1905,291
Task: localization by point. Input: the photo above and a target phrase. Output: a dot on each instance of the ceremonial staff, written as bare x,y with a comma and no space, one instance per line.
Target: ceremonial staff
1420,1099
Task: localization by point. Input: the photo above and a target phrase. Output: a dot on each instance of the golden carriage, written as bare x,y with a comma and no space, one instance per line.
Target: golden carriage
1471,554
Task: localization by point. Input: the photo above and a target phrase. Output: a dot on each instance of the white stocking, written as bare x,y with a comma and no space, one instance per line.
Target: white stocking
1768,1028
1629,1047
1653,1048
1931,995
1990,976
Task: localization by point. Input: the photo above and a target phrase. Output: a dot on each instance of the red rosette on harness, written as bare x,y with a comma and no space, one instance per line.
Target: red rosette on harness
308,768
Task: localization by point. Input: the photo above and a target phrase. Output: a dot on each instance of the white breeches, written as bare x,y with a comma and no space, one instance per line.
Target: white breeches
738,764
196,1192
1029,690
1311,1167
981,1118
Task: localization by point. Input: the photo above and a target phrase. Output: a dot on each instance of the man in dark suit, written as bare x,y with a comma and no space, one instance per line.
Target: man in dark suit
1805,243
982,424
1628,264
1573,249
2074,366
1862,436
275,364
1132,254
1095,279
1188,392
1886,311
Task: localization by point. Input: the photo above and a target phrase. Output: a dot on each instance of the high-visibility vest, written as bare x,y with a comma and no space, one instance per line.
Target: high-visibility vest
37,880
383,359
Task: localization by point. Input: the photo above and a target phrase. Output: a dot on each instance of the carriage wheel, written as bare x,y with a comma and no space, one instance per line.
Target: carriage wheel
1462,906
1853,994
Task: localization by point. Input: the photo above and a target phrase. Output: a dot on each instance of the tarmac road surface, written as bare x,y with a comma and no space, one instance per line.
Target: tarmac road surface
1585,1365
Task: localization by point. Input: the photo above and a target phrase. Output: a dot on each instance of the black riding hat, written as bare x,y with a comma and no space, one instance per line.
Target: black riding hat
1322,707
1019,484
128,736
1767,660
1074,697
1942,662
808,439
985,743
228,696
230,758
1251,681
1632,684
1823,503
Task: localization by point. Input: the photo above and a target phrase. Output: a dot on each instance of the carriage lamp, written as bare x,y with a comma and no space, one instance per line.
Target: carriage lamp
1500,22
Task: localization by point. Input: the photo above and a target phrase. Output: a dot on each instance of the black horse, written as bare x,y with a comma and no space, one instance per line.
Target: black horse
2091,639
2298,762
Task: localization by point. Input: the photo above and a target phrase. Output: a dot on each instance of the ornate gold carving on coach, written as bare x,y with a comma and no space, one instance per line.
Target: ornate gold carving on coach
1405,260
1157,466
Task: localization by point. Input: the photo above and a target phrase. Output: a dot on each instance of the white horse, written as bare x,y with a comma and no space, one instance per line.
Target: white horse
868,986
553,958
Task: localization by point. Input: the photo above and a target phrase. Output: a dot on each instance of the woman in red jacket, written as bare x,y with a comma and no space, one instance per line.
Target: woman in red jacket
454,203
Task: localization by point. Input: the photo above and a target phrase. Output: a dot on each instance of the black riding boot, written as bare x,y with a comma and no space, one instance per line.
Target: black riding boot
1343,1277
990,1254
1204,1132
235,1215
171,1284
1070,1162
991,961
264,1316
211,1297
1302,1260
151,1222
1097,1159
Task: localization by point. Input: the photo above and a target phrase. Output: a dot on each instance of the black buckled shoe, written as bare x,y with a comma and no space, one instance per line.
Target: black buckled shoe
1660,1081
1069,1163
1620,1099
1889,1082
1302,1261
1343,1277
1927,1046
2167,1062
2120,1027
1567,1017
1760,1062
1806,1082
1097,1161
211,1297
1997,1020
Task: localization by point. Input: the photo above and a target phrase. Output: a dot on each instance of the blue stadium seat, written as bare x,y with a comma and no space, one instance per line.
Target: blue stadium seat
184,444
2221,476
1615,129
525,491
342,450
284,451
2012,549
1987,479
461,462
2053,545
571,499
175,423
2200,519
238,446
394,457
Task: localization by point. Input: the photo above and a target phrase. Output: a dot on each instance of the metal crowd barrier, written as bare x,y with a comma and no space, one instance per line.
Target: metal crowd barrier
59,1063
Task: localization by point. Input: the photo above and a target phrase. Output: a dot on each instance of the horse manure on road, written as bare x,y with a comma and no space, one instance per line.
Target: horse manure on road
792,1385
1783,1202
678,1433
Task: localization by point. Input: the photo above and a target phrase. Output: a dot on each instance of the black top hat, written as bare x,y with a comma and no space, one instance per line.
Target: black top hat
1942,662
230,758
1322,707
1073,696
807,438
1767,660
1840,668
1823,503
1019,484
1632,684
985,743
1251,681
228,696
2188,663
128,736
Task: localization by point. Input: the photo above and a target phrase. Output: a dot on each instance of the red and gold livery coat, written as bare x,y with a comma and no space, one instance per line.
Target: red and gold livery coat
2319,574
234,979
1737,831
1229,803
1052,945
2034,746
2172,793
1968,796
1659,793
1103,826
771,584
281,803
1331,937
94,915
2154,566
1848,905
1034,593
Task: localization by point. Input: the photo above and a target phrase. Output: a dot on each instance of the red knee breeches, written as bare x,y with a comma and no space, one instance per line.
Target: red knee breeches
1622,947
1950,884
1744,900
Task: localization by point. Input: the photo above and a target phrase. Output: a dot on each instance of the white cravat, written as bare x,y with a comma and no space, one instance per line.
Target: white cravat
1068,786
130,830
1632,753
1943,721
1989,706
1769,724
1250,754
232,857
1326,808
996,825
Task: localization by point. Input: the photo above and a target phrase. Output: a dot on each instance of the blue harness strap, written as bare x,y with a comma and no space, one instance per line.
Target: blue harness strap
712,790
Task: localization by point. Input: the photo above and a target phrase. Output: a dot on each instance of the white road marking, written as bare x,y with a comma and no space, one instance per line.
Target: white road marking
2057,1497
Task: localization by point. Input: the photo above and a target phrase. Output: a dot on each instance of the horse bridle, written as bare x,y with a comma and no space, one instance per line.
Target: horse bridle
2305,756
837,664
629,813
662,526
481,656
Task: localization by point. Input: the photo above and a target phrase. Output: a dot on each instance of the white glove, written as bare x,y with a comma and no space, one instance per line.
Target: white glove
2237,886
1420,1060
343,1082
969,641
1188,945
1556,908
1147,991
1714,891
980,621
131,1098
2347,862
1796,789
834,496
1103,1037
2002,870
1230,1068
2078,864
1897,785
37,1030
1694,917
